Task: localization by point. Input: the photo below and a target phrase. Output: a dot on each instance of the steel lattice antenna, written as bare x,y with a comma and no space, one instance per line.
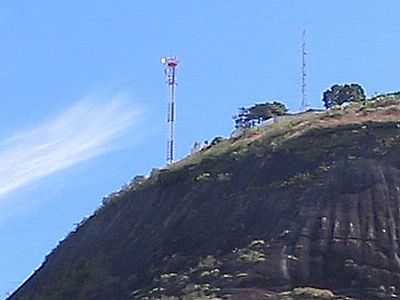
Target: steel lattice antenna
170,65
304,103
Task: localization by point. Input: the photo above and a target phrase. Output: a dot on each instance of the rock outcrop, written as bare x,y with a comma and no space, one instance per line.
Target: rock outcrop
304,210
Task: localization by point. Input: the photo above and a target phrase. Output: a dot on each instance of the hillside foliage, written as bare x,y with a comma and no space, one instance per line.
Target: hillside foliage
254,115
340,94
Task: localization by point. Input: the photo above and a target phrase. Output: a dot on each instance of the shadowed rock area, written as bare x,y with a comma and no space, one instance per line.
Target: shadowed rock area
309,209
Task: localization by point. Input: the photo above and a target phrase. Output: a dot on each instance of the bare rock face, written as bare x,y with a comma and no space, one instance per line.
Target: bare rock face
319,211
346,231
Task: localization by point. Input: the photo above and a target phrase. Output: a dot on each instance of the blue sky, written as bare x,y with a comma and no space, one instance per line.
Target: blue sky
84,101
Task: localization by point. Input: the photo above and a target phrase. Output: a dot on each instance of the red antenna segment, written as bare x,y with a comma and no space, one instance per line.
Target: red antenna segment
170,65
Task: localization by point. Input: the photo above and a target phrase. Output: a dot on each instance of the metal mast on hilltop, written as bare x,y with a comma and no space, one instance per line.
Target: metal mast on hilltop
304,103
170,65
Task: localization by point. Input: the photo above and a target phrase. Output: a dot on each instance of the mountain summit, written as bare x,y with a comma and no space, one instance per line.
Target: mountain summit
304,208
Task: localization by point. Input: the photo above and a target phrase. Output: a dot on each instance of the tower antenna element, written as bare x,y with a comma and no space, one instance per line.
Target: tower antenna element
170,64
304,104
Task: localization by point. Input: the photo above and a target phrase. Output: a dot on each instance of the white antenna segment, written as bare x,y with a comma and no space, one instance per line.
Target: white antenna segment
304,104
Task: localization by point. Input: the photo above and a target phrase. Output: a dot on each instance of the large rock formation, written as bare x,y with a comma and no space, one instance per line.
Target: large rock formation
313,201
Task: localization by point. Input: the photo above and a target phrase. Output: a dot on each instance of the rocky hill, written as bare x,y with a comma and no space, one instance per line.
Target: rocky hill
307,208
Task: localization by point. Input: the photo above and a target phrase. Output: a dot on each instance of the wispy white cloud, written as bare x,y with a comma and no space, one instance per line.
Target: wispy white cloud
85,130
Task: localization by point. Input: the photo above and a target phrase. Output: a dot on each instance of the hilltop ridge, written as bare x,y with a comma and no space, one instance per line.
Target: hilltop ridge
304,208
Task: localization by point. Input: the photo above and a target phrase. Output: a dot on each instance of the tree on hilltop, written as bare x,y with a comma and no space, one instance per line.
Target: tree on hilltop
339,94
256,114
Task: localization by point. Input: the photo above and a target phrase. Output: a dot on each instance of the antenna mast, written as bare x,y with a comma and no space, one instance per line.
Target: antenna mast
304,103
170,65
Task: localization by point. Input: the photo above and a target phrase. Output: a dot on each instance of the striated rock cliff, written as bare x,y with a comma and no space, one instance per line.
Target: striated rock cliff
313,201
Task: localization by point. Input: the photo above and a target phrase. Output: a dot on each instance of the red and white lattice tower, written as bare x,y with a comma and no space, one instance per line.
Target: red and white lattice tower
170,65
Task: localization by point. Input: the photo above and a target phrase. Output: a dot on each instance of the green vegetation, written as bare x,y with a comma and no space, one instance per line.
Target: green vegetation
251,256
312,293
340,94
210,275
259,140
203,177
256,114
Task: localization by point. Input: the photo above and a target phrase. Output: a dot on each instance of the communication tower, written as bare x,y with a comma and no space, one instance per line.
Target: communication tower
170,64
304,104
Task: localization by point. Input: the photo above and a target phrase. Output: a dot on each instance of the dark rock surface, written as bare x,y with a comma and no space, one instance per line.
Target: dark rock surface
320,209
